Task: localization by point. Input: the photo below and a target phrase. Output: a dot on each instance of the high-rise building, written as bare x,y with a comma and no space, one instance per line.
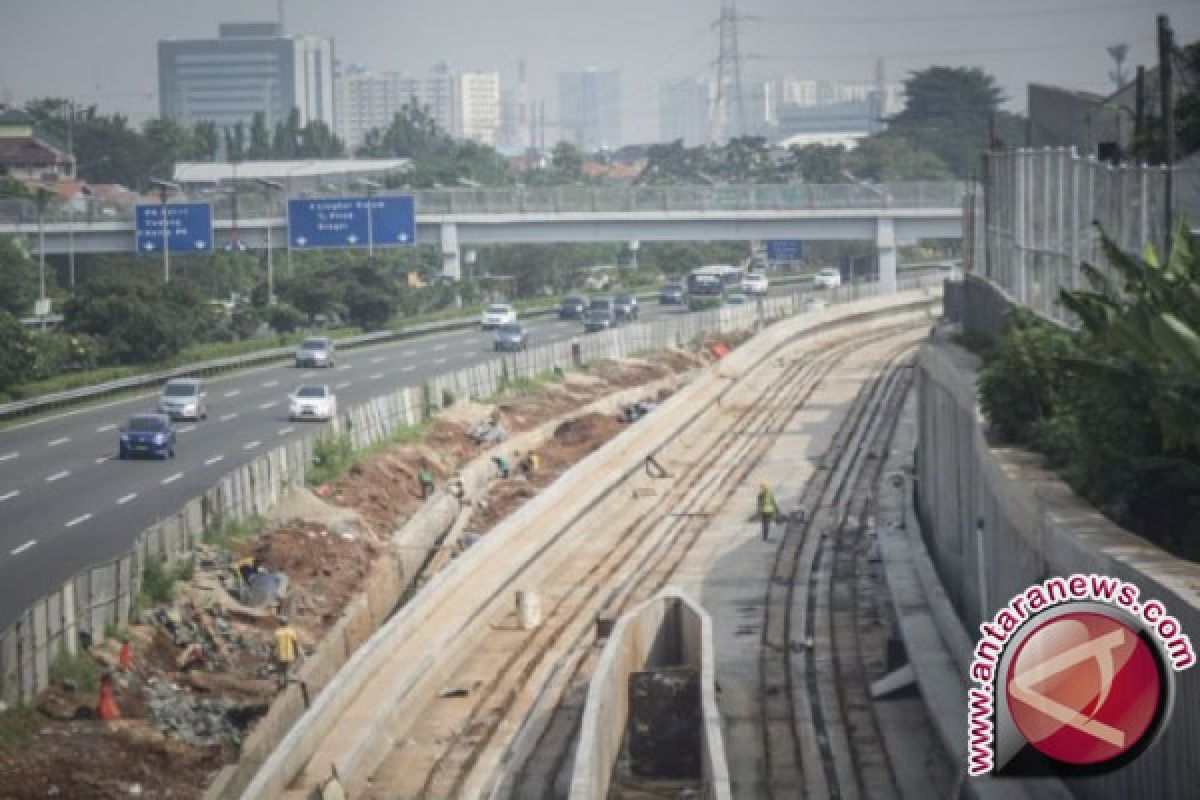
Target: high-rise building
438,95
684,109
589,108
367,100
477,106
248,68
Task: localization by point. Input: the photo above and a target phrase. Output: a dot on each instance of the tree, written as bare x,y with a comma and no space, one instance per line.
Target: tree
17,355
372,297
259,147
818,163
948,112
891,158
139,323
18,276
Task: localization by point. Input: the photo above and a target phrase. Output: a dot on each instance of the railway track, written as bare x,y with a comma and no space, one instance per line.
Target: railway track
514,734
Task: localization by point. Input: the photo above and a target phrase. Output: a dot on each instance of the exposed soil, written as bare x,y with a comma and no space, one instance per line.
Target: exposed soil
325,542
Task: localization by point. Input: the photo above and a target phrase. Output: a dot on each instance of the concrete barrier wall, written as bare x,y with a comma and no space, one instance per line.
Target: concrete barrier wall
441,621
632,648
995,523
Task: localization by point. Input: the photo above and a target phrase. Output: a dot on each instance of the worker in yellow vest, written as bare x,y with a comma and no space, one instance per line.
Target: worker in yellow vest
286,649
768,510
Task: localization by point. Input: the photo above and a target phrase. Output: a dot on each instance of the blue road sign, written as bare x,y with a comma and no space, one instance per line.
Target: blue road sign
190,228
343,222
782,251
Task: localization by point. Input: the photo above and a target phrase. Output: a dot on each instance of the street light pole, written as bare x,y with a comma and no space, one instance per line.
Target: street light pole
268,186
164,189
371,187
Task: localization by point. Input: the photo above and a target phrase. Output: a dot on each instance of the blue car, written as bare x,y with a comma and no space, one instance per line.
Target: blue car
147,435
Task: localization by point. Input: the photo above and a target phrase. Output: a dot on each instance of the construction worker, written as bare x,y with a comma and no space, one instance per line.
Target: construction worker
426,479
502,465
248,566
529,465
768,510
285,648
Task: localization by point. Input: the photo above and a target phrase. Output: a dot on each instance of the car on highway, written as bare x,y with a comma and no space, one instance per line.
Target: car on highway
147,435
511,337
737,299
827,278
316,351
599,319
755,283
625,306
671,294
184,398
496,315
315,402
573,307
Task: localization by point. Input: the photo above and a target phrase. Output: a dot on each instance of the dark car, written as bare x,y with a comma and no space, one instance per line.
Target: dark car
671,294
512,337
602,304
573,306
599,319
147,435
625,307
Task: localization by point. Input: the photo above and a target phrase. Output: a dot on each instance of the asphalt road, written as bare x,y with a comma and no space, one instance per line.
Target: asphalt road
66,501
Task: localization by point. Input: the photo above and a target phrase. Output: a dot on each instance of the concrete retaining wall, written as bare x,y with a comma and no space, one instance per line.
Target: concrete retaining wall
995,522
633,646
439,624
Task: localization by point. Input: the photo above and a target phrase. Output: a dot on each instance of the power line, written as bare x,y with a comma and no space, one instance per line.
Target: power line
983,16
934,53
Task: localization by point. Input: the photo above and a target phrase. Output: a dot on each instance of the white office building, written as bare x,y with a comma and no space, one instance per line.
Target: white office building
367,100
477,106
249,68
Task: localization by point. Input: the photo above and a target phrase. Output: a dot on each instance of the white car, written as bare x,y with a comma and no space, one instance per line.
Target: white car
312,402
754,283
496,315
827,278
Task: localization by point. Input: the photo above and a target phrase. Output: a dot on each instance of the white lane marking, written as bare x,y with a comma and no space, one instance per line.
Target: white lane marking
172,479
409,353
409,368
228,417
57,476
439,361
79,519
286,431
344,367
441,346
9,456
265,406
213,460
102,459
131,496
188,429
377,376
270,384
378,360
18,550
57,442
342,385
233,392
251,445
112,426
10,495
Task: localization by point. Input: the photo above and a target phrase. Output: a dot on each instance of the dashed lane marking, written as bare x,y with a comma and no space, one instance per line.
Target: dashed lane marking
112,426
378,360
286,431
228,417
265,406
102,459
79,519
233,392
251,445
9,456
187,429
213,460
345,367
172,479
377,376
9,495
270,384
57,442
57,476
16,551
342,385
409,368
123,500
439,361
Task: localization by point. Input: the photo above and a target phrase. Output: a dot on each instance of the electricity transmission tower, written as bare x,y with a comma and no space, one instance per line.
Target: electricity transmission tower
729,111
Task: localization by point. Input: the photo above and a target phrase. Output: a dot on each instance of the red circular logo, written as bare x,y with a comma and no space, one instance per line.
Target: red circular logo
1083,688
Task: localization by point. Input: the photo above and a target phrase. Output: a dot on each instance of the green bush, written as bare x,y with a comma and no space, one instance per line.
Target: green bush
81,671
331,457
158,580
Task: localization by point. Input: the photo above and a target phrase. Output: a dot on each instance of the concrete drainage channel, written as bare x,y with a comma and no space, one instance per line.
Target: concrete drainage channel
382,688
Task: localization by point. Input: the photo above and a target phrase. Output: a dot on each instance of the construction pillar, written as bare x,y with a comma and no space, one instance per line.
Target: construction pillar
451,266
885,253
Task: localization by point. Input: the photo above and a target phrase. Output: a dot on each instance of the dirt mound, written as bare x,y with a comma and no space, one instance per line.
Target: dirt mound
102,761
325,569
588,429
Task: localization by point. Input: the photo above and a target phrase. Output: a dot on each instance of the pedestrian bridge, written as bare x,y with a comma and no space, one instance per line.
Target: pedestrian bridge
890,215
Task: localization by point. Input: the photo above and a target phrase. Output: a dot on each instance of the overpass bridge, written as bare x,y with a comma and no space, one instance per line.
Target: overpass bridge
890,215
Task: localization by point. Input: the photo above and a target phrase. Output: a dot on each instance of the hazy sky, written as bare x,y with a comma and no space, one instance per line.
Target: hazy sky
103,51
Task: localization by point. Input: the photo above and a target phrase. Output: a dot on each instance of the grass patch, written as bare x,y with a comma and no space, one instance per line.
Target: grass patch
331,457
80,671
17,726
525,384
158,580
234,532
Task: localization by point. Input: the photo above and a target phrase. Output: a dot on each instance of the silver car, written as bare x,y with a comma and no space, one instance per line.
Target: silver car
316,351
184,398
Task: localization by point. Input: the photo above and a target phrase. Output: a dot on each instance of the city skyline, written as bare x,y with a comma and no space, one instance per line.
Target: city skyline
660,40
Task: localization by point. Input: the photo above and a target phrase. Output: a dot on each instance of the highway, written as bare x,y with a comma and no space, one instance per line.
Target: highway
66,501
